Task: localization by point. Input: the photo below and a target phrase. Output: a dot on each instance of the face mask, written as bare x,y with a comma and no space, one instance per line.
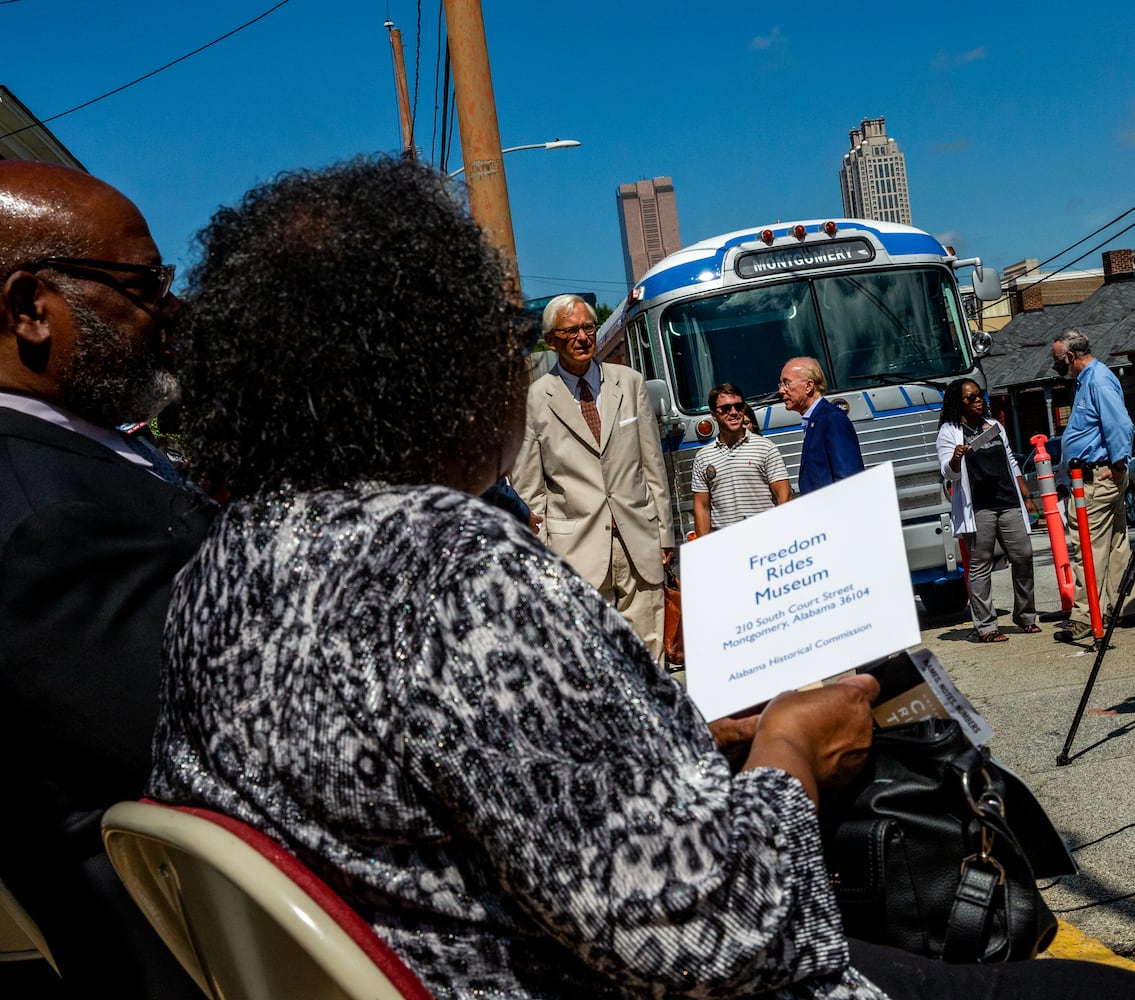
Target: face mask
1061,367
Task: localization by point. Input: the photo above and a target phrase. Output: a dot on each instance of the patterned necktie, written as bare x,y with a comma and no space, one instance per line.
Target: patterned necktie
162,467
588,408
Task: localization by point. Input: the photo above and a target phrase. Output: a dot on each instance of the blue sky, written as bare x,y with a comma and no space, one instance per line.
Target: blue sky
1018,122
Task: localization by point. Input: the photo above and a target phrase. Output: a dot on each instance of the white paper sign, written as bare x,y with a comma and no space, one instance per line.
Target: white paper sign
984,437
814,587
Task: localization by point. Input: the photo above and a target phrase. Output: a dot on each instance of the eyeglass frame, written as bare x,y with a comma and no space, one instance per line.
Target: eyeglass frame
784,383
969,397
572,332
96,270
724,408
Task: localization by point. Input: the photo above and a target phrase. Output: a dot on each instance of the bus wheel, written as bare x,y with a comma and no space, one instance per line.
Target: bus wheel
943,598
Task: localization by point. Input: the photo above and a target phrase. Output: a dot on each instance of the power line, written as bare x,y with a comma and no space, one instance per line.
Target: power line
1075,260
437,76
573,281
155,72
417,70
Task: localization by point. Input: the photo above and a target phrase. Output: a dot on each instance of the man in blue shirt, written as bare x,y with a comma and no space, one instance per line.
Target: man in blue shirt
1098,433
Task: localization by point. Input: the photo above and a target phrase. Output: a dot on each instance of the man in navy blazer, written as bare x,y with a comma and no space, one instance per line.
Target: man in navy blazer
91,536
831,448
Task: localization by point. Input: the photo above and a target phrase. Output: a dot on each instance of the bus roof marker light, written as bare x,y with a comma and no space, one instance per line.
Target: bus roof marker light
830,228
766,235
799,232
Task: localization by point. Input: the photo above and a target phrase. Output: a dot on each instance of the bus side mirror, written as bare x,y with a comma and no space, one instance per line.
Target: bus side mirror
986,283
659,397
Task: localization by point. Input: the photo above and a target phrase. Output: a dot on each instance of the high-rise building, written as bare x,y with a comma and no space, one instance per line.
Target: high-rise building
648,224
873,177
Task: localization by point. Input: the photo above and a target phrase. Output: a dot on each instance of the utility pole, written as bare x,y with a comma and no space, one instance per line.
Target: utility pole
480,135
402,88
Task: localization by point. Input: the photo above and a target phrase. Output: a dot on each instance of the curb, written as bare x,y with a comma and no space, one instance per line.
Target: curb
1075,944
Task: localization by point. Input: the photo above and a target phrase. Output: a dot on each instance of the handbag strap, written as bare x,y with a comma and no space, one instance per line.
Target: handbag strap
979,897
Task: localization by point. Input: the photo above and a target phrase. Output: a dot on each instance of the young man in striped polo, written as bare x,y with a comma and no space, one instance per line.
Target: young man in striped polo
738,475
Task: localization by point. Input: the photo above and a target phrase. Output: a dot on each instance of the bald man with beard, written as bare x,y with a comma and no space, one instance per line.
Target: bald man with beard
92,531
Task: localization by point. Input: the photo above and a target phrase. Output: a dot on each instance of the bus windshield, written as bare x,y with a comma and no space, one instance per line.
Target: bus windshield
866,328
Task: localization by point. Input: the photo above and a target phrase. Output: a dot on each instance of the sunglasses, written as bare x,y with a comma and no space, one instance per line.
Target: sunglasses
731,408
147,285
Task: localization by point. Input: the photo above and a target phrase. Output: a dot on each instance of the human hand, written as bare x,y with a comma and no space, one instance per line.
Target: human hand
667,555
534,522
821,736
734,735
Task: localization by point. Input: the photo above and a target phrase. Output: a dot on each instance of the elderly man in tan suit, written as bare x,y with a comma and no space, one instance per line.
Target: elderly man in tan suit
591,466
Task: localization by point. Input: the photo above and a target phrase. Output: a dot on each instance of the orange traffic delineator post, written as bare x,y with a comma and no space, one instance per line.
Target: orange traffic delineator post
1086,558
1055,523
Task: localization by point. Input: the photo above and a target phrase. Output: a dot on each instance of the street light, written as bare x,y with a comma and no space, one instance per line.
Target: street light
554,144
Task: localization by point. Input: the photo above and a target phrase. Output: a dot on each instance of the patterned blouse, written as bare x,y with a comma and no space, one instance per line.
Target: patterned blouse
455,731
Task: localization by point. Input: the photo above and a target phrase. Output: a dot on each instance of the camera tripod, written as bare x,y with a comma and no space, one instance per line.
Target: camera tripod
1125,585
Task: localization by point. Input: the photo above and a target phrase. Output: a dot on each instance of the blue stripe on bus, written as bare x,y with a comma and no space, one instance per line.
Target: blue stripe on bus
690,273
773,431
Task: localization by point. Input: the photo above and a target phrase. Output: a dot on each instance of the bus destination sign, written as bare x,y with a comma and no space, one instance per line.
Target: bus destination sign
807,257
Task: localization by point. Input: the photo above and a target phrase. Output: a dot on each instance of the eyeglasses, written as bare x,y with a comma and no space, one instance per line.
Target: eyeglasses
731,408
571,332
784,383
147,287
969,397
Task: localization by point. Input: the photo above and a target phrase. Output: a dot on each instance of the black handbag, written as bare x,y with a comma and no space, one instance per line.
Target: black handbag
925,850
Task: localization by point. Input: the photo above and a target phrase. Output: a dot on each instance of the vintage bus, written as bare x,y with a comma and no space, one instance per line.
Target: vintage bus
877,303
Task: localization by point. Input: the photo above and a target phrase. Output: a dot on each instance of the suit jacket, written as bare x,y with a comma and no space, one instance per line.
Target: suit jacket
89,545
579,486
831,448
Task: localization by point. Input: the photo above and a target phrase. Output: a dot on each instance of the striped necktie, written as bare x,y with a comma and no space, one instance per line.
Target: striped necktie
588,408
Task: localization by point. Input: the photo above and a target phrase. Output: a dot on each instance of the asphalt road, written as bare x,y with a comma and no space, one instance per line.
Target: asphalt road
1029,689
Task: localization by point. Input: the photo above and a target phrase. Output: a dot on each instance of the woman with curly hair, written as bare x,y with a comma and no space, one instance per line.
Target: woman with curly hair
990,502
401,684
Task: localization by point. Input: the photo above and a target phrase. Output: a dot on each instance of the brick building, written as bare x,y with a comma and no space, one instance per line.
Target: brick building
1023,390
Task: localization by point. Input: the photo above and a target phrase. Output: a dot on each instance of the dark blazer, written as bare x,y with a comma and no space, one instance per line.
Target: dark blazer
831,448
89,545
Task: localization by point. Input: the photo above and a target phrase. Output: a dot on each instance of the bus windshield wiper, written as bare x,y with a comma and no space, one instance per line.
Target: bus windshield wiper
897,378
767,399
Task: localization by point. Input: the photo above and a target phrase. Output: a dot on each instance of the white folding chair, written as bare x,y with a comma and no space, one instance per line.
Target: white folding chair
20,936
244,916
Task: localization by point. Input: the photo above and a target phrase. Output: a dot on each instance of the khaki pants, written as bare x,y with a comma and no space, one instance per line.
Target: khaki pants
639,602
1107,523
